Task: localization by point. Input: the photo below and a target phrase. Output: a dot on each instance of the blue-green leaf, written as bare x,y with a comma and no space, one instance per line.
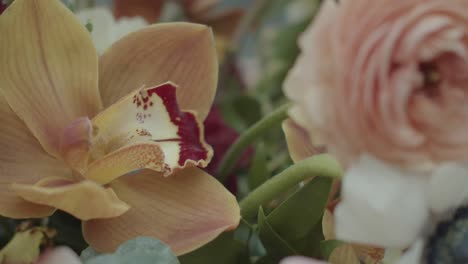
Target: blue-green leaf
141,250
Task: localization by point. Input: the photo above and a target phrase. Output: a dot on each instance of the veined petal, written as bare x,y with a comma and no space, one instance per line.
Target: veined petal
185,211
171,138
48,73
22,160
75,144
183,53
84,200
298,141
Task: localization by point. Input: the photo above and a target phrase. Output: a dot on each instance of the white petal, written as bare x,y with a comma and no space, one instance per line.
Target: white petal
448,188
381,205
125,26
414,254
105,29
102,23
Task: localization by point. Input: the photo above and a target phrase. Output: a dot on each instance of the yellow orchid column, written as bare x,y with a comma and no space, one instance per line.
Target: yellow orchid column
116,147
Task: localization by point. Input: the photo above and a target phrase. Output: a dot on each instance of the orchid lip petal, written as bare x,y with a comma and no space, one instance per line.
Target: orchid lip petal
148,124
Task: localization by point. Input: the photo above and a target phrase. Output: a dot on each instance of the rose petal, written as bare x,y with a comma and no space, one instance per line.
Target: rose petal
174,138
300,260
448,187
185,211
298,141
344,254
183,53
22,160
59,255
48,73
377,196
84,200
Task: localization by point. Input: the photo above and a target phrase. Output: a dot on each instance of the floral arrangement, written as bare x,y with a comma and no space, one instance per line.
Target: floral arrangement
210,131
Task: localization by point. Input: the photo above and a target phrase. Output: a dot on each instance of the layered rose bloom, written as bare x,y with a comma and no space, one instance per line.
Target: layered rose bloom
387,78
383,85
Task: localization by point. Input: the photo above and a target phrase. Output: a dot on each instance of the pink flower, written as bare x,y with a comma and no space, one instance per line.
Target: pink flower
385,77
59,255
300,260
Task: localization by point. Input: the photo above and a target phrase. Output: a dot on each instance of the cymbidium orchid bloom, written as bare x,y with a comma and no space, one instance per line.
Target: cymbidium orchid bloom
122,157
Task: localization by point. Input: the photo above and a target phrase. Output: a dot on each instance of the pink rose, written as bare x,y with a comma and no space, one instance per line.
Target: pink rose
387,77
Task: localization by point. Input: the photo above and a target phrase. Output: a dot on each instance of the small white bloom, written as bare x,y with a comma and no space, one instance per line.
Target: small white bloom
105,29
386,206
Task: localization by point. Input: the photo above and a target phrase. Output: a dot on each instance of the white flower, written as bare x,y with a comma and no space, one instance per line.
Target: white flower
386,206
105,29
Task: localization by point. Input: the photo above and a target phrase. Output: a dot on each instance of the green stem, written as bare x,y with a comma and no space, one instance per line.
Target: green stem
245,139
322,165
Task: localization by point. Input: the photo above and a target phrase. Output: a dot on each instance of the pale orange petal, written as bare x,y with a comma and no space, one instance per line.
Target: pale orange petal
22,160
84,200
185,210
369,254
343,254
146,129
183,53
328,225
298,141
48,72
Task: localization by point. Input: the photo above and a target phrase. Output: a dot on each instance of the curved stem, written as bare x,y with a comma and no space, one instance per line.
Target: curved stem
245,139
322,165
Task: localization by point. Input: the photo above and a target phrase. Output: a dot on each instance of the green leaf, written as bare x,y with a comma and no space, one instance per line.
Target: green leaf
327,247
274,244
141,250
258,172
224,249
248,108
297,216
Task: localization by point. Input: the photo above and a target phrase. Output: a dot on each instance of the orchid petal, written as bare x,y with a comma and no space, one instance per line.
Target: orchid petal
48,73
298,141
84,200
376,196
185,211
22,160
75,144
183,53
148,124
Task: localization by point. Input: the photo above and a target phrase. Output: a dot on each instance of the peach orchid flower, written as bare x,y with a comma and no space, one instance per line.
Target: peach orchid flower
121,157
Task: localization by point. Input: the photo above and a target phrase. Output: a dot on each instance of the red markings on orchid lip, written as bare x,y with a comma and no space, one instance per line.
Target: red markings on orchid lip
188,130
142,100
